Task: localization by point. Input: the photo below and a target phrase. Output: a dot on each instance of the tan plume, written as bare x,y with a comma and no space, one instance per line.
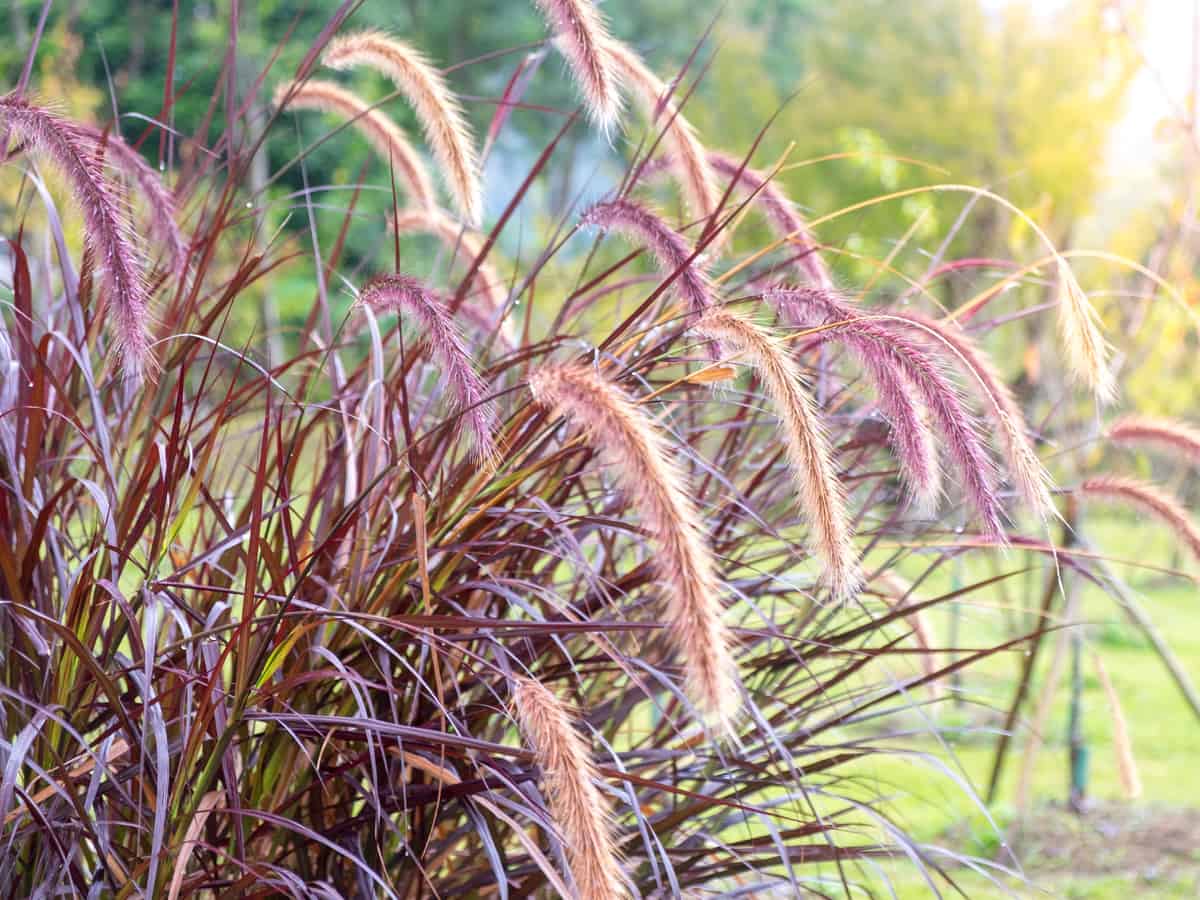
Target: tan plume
820,494
1086,349
577,807
1127,767
381,132
1178,439
583,39
689,158
438,110
629,440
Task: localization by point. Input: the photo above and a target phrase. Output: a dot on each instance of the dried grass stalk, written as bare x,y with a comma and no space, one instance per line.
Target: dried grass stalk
657,488
407,295
576,805
1146,498
107,229
377,127
1127,767
810,457
438,110
583,39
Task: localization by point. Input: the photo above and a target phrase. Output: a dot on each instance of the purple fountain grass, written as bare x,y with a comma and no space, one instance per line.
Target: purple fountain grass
1086,349
656,487
1145,498
781,214
438,110
1000,406
155,193
409,296
691,166
909,434
671,250
889,349
309,643
820,493
778,210
1177,439
377,127
578,809
583,39
107,229
457,239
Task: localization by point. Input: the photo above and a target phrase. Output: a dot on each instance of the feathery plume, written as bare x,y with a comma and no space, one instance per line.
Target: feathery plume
153,190
407,295
458,239
910,436
668,247
583,39
576,805
691,164
820,493
106,225
1176,438
438,110
1079,325
781,214
890,349
1001,407
1146,498
377,127
657,488
1127,768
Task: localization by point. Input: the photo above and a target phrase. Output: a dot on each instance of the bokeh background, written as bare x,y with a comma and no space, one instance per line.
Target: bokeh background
1079,112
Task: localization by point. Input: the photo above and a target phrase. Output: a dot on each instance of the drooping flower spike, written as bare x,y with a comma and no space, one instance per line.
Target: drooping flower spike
107,229
657,489
1177,439
384,135
672,251
409,296
577,807
811,460
1032,480
151,188
438,110
1147,498
882,348
583,39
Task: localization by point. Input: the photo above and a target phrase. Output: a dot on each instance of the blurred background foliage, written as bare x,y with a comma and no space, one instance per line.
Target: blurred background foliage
1020,96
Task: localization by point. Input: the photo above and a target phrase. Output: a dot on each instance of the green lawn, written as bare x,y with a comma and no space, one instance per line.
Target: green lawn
1165,736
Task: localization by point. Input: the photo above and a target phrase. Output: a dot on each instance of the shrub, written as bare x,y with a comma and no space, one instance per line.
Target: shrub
467,593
